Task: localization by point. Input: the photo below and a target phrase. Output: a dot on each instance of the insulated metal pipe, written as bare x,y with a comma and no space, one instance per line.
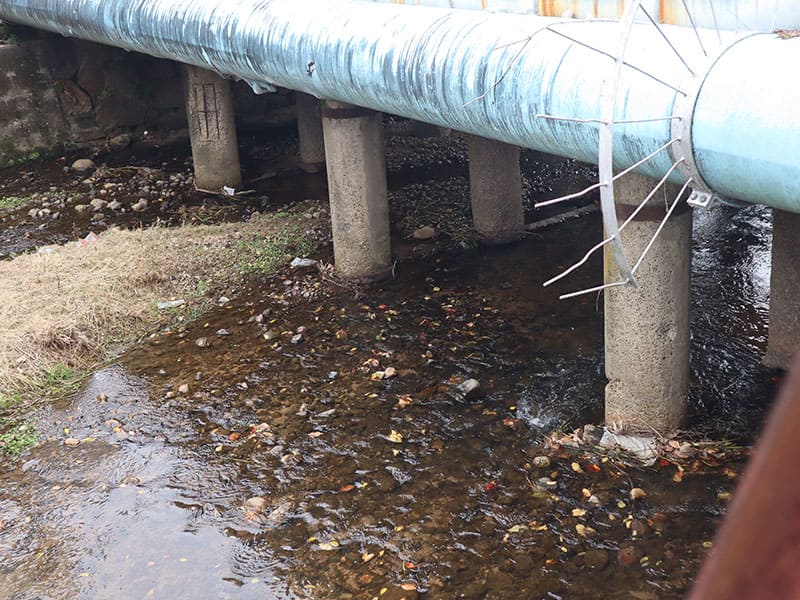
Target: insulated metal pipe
493,75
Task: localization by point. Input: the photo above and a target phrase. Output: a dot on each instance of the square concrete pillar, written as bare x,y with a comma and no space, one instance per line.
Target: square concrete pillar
495,191
357,190
647,328
309,133
784,290
209,107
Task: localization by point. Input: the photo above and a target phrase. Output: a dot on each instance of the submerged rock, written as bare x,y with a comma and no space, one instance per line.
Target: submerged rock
83,164
468,390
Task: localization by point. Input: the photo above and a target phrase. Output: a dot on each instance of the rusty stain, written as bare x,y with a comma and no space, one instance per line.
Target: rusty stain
671,13
787,34
756,552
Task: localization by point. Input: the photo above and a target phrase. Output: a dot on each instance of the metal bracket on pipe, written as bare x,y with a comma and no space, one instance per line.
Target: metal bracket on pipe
701,199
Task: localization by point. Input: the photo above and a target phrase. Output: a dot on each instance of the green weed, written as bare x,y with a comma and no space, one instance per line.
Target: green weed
265,255
18,431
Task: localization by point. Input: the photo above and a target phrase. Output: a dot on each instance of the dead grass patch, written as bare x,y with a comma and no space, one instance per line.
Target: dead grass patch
69,306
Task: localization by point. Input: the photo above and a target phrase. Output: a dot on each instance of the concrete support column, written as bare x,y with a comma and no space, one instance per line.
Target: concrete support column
357,190
784,290
495,191
309,132
209,107
647,328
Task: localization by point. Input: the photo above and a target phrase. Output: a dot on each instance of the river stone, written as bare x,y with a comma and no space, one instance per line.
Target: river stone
83,164
468,390
424,233
140,206
541,462
256,504
98,204
596,559
628,556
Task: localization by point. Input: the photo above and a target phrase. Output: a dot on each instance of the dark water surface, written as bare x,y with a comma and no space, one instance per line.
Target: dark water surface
395,487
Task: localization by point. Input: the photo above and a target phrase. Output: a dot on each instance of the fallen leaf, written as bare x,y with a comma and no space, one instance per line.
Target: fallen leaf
347,488
367,556
409,587
593,468
490,485
578,512
637,493
518,528
326,546
580,528
576,467
408,565
315,434
395,437
365,579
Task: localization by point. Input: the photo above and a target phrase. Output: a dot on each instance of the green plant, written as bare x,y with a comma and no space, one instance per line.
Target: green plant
17,437
18,408
8,203
59,381
264,255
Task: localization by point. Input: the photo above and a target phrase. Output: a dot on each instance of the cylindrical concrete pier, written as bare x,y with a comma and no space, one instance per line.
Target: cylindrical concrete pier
495,191
647,328
309,133
357,190
209,107
784,290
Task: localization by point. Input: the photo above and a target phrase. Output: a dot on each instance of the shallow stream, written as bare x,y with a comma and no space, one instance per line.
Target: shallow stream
318,446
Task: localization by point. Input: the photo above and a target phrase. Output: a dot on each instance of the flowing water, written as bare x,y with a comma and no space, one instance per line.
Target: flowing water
319,447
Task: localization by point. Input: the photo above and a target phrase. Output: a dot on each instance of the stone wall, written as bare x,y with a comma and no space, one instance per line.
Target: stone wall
58,94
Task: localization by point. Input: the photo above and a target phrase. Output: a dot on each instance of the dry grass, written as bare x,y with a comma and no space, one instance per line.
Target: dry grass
70,306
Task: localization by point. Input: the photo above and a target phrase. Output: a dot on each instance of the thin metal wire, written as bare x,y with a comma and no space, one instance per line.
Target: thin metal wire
601,122
570,196
601,184
505,72
662,224
612,57
666,39
716,24
598,288
694,27
632,216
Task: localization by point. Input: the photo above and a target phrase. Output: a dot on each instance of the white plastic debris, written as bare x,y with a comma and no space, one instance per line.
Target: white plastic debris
170,304
643,448
298,263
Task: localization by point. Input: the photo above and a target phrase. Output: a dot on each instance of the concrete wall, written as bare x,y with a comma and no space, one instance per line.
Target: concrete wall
58,94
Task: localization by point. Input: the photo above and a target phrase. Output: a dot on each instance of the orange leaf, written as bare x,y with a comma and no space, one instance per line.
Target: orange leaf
347,488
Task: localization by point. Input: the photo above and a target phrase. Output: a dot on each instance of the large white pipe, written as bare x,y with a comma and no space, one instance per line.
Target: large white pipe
492,75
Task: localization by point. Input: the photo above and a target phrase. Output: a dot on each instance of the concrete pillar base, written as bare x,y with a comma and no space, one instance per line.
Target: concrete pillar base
357,190
209,107
647,328
309,132
495,191
784,293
